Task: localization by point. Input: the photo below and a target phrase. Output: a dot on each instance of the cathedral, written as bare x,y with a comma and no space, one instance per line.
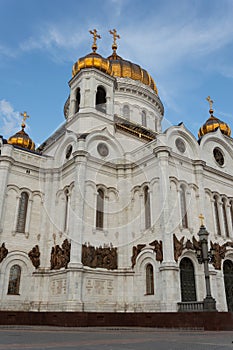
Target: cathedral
106,214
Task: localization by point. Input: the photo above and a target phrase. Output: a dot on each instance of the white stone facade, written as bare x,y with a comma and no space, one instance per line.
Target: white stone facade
141,182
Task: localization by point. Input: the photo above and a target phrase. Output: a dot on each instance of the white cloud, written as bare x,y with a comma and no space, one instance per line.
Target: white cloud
60,41
10,119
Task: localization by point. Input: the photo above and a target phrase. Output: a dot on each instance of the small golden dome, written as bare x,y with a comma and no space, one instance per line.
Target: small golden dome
213,123
92,60
126,69
21,138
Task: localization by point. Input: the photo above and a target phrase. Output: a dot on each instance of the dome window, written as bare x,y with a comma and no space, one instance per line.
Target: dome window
126,112
100,100
77,103
143,118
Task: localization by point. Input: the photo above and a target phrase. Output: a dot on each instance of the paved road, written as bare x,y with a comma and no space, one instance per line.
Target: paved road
41,338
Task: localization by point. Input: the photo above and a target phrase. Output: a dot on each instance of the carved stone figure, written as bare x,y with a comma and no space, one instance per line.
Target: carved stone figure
60,256
34,255
105,257
219,254
158,248
3,252
178,247
66,245
136,250
189,245
196,244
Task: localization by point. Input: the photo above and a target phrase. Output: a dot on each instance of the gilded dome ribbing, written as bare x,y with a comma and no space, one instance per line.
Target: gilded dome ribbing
212,124
92,60
21,139
125,69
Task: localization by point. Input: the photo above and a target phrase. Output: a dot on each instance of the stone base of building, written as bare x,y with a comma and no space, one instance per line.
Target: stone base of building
212,321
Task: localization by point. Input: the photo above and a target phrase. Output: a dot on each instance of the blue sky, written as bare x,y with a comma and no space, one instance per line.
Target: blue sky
186,45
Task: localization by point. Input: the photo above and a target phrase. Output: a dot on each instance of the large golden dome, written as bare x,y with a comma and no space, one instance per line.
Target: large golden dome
126,69
213,123
21,138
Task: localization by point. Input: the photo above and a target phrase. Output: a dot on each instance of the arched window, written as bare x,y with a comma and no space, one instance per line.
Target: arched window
143,118
147,207
100,100
66,210
14,280
187,280
126,112
149,279
22,212
224,208
183,207
100,210
216,213
77,103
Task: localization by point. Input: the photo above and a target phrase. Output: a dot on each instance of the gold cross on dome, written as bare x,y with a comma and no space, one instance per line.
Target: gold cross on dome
210,102
201,217
95,36
115,35
25,116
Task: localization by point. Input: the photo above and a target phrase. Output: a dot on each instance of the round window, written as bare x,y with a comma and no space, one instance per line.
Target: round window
180,145
102,148
218,156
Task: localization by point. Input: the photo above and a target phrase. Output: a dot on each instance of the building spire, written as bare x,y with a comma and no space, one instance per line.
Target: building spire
211,111
95,36
25,116
115,36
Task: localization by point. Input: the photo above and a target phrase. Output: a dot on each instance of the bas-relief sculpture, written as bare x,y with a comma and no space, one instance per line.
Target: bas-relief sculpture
3,252
158,249
219,251
60,256
105,257
34,255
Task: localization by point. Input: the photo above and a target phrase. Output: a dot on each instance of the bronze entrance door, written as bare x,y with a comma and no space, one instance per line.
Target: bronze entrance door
228,281
187,280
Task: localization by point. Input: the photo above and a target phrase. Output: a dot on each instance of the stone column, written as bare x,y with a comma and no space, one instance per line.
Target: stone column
76,221
168,269
228,212
198,169
28,218
72,103
220,214
4,174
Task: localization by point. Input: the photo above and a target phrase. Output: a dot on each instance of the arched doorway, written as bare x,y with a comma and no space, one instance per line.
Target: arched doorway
228,281
187,280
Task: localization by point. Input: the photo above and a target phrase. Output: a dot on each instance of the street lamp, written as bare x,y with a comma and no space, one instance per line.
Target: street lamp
205,257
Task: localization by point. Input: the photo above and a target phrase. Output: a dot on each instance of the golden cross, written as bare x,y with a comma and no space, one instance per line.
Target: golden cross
115,36
95,36
25,116
201,217
210,102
